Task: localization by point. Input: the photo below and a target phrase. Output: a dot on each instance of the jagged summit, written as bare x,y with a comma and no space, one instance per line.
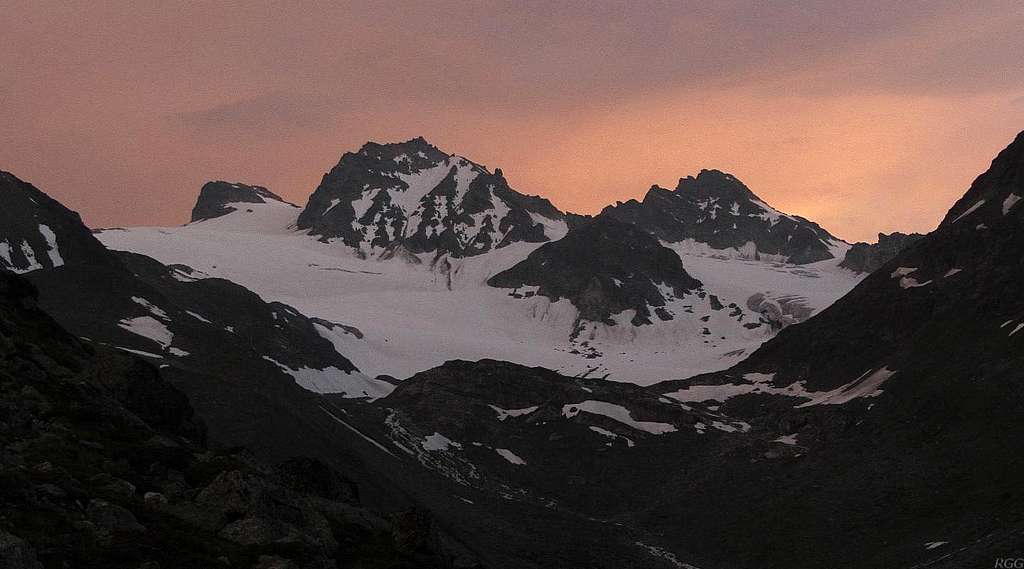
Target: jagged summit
429,201
716,209
215,198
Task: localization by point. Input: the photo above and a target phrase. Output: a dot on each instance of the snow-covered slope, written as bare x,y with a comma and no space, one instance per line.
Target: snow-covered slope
411,312
171,316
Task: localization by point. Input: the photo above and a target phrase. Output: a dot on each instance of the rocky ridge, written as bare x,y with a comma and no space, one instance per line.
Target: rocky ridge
717,209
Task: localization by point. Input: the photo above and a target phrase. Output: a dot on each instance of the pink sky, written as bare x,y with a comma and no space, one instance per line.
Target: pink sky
865,119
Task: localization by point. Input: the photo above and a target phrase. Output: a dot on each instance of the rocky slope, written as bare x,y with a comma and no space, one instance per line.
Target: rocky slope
603,267
413,196
102,465
216,199
196,328
868,257
716,209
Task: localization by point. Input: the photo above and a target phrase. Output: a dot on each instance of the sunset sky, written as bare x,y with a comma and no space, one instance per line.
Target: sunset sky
863,116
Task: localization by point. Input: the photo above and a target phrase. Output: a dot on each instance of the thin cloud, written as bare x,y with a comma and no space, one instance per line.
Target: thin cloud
270,114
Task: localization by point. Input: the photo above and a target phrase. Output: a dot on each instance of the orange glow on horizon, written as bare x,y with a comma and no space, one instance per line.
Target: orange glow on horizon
863,119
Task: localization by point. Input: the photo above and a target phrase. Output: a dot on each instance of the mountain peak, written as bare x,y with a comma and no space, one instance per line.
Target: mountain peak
717,209
215,197
414,194
715,184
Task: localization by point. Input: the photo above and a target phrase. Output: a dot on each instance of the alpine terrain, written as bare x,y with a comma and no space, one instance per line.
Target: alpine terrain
432,257
423,367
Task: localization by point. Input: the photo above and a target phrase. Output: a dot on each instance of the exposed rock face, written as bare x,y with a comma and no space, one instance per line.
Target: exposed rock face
417,196
717,209
868,257
215,198
603,267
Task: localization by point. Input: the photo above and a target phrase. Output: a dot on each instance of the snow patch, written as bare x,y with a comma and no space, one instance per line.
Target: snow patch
611,435
759,383
510,456
1010,201
148,327
351,385
139,353
970,210
902,272
51,242
786,440
152,308
439,442
867,385
909,282
616,413
506,413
